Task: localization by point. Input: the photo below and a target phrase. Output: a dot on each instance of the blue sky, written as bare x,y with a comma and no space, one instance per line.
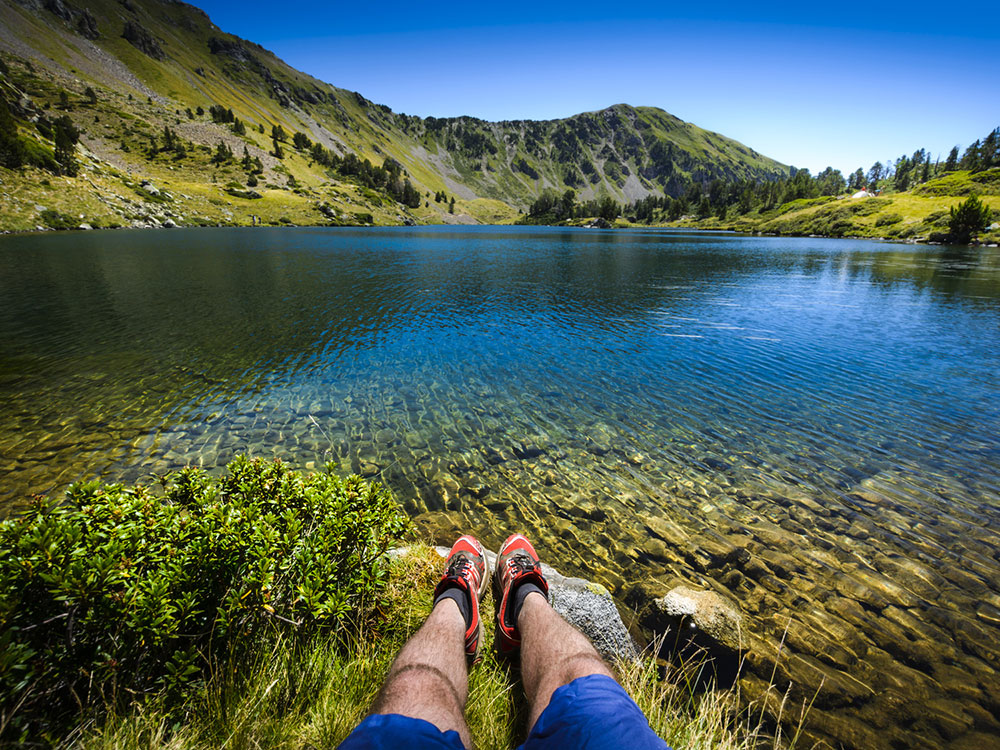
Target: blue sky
809,84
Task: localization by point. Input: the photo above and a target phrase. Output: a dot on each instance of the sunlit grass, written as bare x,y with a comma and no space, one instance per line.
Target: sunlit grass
314,694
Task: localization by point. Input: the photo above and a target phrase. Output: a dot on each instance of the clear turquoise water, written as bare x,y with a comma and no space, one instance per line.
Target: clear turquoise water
644,403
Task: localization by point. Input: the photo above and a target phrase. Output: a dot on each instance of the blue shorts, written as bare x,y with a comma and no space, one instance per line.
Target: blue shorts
590,713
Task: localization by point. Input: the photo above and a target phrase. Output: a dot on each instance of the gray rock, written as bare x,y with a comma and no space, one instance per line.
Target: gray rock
149,187
169,224
85,226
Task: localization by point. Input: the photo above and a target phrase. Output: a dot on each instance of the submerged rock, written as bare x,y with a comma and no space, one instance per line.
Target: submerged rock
702,618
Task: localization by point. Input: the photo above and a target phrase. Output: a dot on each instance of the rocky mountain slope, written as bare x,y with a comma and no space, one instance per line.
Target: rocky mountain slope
133,75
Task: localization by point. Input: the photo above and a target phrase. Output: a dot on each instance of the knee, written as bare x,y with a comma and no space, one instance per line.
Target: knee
416,683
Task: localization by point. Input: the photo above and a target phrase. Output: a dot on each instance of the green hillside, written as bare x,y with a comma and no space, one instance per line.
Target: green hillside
918,214
160,70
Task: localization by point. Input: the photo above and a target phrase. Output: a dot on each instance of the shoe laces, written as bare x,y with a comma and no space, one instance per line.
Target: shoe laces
461,567
518,564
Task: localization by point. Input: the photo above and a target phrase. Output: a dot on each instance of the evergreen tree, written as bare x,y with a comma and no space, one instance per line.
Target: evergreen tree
875,174
968,219
278,133
411,196
451,206
91,96
951,163
66,136
971,158
13,153
223,154
200,112
190,114
277,151
990,150
301,141
63,100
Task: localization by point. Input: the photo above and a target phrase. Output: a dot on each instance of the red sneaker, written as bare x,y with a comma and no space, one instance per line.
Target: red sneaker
466,570
517,563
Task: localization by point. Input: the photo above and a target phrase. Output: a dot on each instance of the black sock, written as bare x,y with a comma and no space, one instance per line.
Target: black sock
461,598
520,593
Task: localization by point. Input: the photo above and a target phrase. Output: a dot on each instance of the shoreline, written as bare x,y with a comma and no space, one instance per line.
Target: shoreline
685,227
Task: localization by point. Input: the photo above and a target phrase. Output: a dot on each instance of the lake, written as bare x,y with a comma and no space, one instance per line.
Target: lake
644,404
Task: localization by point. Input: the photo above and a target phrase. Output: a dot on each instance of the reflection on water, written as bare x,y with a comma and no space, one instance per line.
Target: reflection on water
646,404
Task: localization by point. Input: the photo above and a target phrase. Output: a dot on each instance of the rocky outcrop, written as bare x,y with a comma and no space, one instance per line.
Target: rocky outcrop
142,40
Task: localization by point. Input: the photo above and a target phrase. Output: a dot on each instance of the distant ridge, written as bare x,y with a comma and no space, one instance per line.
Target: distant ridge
169,57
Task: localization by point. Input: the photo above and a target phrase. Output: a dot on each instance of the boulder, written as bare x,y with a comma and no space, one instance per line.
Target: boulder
698,620
589,608
169,224
85,226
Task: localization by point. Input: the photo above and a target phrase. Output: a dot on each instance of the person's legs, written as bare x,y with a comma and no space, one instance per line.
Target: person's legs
574,699
429,679
553,653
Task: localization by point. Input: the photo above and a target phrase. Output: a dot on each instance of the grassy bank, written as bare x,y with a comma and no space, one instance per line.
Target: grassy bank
313,695
919,215
275,590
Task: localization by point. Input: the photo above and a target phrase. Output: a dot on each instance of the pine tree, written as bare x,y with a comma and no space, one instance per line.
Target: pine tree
451,206
12,150
951,163
223,154
91,96
66,137
971,158
968,219
278,153
990,150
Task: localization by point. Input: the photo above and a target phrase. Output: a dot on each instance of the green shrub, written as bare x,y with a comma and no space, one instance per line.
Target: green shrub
886,219
55,220
119,591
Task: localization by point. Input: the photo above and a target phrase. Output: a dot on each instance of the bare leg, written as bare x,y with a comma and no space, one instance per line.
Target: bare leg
553,653
429,679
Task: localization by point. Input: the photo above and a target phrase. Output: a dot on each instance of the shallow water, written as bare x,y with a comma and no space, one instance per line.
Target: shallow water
644,403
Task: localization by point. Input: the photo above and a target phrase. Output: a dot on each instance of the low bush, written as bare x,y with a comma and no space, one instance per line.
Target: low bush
120,591
55,220
886,219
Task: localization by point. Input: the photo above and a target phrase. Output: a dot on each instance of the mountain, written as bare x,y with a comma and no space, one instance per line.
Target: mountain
139,77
